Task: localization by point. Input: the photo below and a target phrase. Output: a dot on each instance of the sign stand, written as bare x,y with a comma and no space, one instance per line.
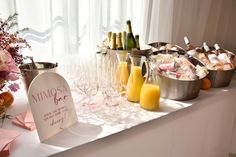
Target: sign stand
51,104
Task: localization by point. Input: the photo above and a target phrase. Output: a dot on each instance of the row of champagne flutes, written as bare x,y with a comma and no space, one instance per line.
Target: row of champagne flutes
94,87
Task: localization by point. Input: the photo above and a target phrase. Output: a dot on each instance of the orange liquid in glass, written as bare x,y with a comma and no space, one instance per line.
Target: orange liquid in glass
135,83
150,97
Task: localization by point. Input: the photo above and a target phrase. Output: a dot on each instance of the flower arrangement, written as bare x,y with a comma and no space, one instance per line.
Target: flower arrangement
10,59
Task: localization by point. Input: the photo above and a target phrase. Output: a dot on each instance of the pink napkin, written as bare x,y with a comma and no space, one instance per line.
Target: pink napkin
6,137
5,151
25,120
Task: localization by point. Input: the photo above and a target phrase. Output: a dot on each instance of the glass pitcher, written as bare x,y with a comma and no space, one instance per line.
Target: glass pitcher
136,79
150,91
122,73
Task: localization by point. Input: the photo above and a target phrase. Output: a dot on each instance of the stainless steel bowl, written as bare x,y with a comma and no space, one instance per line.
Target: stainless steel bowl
179,89
30,71
220,78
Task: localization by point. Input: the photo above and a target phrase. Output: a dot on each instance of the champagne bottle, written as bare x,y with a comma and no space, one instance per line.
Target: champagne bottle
210,54
129,40
119,44
217,47
191,50
223,56
123,39
113,41
109,39
206,47
219,50
137,42
189,46
109,36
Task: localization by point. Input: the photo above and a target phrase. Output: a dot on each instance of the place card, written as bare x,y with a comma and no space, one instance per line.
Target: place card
51,104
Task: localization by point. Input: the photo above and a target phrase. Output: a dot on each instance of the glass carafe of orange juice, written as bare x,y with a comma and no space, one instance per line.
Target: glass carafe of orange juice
122,73
150,92
136,79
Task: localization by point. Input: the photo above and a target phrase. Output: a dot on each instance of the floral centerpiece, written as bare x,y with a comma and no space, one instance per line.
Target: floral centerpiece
10,59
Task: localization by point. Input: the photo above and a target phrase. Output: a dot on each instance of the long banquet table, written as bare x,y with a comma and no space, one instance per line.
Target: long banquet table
199,127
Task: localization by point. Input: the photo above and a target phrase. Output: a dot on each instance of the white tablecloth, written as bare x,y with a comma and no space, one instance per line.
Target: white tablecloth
199,127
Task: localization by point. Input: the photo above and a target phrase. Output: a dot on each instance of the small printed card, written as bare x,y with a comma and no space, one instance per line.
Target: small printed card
51,104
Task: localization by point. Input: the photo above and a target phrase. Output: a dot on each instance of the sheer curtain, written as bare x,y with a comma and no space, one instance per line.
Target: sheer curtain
59,27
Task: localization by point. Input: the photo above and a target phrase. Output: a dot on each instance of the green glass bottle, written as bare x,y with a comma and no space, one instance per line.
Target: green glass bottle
119,43
113,41
109,39
109,36
123,39
129,40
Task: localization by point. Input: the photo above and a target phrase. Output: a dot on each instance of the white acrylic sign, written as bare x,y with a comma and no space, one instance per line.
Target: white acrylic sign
51,103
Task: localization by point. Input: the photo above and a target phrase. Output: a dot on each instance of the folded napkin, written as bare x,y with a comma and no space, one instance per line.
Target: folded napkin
6,138
5,151
25,120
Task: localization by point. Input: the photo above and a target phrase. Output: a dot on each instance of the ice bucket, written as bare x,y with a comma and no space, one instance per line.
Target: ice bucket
29,71
220,78
179,89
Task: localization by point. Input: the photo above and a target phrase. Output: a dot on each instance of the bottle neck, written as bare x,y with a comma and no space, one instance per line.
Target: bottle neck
129,28
109,36
206,48
123,39
217,47
113,41
119,43
186,41
137,42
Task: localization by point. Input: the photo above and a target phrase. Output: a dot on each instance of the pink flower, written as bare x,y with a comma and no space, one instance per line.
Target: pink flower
7,63
14,87
8,70
12,77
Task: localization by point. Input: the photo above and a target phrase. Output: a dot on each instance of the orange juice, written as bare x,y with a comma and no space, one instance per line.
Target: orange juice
150,97
122,75
135,83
